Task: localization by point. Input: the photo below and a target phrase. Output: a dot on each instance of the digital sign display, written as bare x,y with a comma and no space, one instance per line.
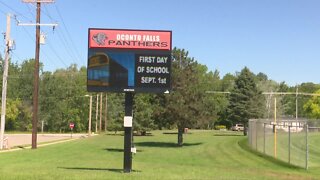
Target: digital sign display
122,60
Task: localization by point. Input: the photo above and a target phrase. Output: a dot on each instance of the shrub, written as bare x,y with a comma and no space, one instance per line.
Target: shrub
218,127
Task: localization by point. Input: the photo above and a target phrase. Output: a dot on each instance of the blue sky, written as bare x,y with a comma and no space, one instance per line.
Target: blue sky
280,38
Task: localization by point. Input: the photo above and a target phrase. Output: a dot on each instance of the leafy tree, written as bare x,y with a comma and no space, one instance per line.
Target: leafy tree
307,88
62,99
312,107
222,101
12,112
246,100
227,82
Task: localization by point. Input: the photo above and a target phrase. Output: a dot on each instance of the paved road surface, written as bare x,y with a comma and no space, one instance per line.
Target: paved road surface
15,140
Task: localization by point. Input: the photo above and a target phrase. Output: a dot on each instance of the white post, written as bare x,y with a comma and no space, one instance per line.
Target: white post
42,124
90,111
97,113
297,109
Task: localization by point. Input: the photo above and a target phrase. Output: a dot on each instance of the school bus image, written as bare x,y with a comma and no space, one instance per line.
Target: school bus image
105,72
98,70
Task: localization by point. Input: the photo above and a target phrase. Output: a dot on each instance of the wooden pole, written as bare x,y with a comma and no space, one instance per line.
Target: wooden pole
106,114
100,124
36,81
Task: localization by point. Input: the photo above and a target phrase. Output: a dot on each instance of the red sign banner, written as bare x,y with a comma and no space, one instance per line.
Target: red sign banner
130,39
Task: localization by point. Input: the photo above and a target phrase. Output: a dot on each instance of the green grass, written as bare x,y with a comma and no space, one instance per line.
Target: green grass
206,155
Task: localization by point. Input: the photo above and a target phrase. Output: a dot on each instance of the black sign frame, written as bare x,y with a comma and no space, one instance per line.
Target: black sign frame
129,70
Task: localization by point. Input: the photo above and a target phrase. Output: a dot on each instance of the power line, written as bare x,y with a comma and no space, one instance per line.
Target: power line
67,47
57,55
46,12
69,35
15,11
63,38
32,13
3,12
52,75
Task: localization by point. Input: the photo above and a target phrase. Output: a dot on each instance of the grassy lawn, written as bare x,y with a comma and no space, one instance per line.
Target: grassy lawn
206,155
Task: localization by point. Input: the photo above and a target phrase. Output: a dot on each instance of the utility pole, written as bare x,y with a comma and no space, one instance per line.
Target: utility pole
36,81
106,114
97,104
5,80
100,124
36,69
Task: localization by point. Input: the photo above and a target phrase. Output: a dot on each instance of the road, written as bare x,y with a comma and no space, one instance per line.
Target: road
22,140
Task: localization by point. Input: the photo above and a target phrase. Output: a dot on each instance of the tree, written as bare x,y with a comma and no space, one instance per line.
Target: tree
62,99
184,105
115,111
143,111
227,82
12,112
312,107
246,101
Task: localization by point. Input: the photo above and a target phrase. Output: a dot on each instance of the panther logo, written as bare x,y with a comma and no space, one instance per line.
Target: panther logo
100,38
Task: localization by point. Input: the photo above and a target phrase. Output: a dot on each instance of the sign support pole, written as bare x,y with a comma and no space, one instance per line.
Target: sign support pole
127,159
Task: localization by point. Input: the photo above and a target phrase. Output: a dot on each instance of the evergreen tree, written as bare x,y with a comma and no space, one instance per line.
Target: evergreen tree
246,101
185,104
143,111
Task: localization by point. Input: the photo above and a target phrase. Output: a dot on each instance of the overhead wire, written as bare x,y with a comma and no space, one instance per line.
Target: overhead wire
68,33
50,47
15,11
3,12
69,47
66,47
55,52
30,10
32,37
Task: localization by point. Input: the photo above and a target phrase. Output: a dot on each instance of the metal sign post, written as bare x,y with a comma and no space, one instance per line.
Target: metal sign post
71,125
127,158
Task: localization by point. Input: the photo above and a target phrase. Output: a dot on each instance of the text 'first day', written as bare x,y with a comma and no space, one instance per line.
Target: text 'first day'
153,59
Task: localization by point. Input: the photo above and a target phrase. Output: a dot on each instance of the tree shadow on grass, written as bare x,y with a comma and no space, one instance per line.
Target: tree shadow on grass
165,144
228,135
118,150
96,169
169,133
175,133
114,134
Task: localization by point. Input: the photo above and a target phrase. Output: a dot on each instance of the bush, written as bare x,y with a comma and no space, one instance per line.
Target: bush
218,127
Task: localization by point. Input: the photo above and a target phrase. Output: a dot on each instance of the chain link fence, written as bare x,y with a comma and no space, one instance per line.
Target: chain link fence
286,140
